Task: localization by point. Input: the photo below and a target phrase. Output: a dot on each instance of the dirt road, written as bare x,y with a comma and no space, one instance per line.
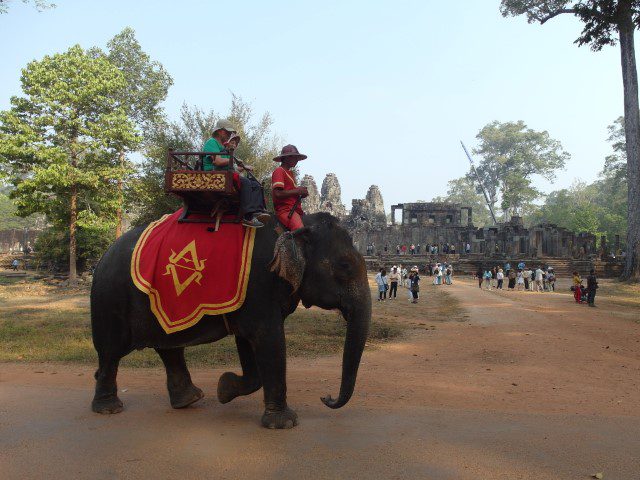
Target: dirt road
527,386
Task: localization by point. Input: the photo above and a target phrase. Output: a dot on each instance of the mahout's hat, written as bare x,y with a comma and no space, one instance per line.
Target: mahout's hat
289,151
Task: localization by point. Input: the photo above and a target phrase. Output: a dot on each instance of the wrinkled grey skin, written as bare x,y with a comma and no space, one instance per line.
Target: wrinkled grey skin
316,265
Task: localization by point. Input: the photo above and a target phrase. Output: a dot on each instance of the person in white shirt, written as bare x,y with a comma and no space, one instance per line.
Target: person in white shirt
394,278
519,280
500,278
526,276
539,275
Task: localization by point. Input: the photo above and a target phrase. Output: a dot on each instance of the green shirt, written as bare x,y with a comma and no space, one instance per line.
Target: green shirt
213,145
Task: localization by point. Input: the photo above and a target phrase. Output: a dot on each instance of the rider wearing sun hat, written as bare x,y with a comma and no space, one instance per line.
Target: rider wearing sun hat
251,194
286,195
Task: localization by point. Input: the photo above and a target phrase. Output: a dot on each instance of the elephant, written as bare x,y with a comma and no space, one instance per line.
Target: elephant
317,265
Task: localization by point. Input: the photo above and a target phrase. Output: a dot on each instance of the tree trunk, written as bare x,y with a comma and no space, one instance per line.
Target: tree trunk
72,234
632,136
120,199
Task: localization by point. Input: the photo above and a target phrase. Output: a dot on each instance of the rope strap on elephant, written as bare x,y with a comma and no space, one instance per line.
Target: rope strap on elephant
189,272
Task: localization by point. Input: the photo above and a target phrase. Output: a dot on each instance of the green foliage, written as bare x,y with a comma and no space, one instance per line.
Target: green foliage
511,154
599,208
462,190
257,148
8,217
146,81
52,245
600,17
62,137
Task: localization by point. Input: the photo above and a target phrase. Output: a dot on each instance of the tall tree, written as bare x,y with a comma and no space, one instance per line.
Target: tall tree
606,22
257,148
59,140
511,155
146,87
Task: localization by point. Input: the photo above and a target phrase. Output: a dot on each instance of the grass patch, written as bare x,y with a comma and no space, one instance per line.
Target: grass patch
620,293
44,323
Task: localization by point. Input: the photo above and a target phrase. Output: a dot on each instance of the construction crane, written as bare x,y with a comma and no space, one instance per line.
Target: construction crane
484,192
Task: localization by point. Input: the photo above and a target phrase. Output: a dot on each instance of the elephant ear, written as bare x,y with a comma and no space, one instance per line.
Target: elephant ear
288,257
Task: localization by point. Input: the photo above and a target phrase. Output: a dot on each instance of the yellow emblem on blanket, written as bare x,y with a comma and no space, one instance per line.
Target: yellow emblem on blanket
187,260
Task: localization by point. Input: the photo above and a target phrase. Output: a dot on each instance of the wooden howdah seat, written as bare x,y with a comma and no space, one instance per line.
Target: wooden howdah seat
208,196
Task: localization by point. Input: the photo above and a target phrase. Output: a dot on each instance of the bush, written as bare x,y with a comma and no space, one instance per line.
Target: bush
52,247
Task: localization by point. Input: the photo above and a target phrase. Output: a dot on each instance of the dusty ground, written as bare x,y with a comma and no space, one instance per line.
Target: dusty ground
519,386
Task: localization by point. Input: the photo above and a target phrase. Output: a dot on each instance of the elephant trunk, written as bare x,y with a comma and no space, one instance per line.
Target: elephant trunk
358,320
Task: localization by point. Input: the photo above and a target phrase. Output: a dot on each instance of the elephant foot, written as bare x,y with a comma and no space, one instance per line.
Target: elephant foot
231,386
280,419
107,405
182,398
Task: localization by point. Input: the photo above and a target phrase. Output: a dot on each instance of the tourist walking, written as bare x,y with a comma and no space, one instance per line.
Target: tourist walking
448,273
397,249
468,249
480,276
526,277
551,279
415,286
538,277
14,264
394,278
519,280
577,290
383,284
512,279
500,278
592,286
487,279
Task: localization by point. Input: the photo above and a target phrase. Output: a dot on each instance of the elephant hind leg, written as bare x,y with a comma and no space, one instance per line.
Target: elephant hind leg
106,398
182,391
231,385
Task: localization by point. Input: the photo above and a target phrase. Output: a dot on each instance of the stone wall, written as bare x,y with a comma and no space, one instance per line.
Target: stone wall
13,240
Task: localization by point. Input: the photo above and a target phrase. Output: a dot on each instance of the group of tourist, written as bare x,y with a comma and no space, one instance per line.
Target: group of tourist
398,276
540,280
583,294
416,249
521,278
442,273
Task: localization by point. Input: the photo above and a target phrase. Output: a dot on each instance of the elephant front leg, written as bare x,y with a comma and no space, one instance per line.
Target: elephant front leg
182,391
270,352
231,385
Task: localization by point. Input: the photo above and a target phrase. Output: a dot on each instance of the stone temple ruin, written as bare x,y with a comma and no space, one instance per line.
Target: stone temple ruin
435,223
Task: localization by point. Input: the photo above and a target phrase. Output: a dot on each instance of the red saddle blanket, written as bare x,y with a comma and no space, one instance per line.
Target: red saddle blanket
188,271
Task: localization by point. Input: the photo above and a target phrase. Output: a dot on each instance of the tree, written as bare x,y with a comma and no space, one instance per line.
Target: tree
146,87
257,148
606,22
38,4
463,191
571,208
59,141
511,154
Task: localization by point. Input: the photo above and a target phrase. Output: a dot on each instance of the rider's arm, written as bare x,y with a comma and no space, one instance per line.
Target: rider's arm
280,193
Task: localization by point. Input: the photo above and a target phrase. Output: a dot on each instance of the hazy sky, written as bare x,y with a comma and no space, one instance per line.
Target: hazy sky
377,92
